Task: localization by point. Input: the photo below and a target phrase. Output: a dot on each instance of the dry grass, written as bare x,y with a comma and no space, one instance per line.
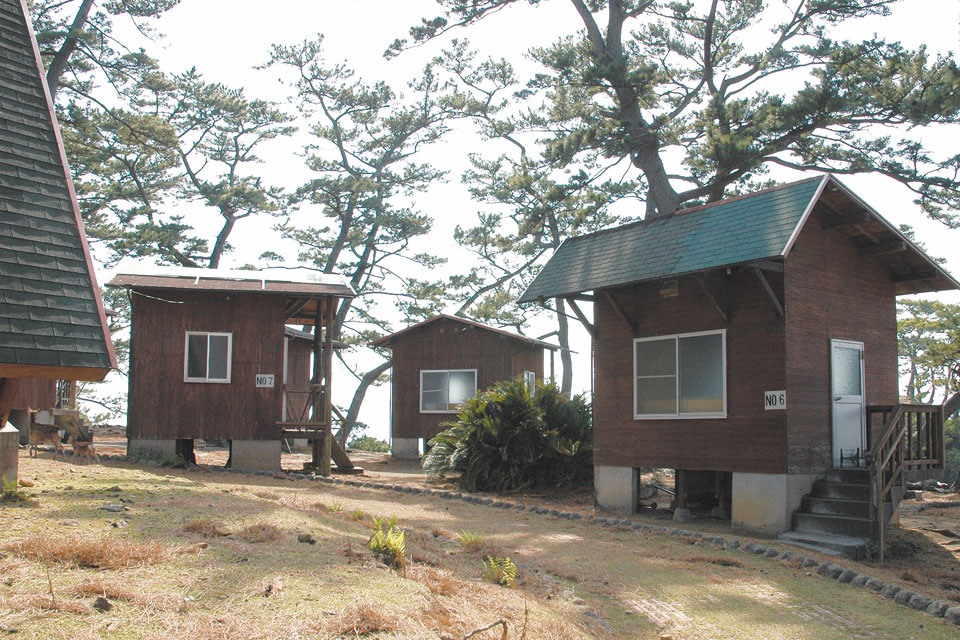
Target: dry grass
267,495
911,576
722,561
437,581
351,553
89,552
43,602
261,532
206,528
109,589
362,618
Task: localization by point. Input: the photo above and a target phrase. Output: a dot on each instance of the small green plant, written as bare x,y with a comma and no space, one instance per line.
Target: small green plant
357,515
384,523
388,544
12,492
336,507
174,463
500,571
471,540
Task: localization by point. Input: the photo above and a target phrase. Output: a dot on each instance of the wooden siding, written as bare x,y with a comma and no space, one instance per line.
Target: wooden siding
35,394
161,405
299,358
750,439
833,294
445,344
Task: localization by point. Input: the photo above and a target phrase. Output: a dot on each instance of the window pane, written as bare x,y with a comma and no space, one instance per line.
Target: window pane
701,374
196,356
657,357
463,386
657,395
846,371
434,401
435,381
219,346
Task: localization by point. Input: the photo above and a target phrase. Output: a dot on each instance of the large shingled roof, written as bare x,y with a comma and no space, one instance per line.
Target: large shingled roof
746,229
52,323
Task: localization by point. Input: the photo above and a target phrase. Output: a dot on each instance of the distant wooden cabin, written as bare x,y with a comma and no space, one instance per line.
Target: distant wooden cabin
211,357
52,322
443,361
750,344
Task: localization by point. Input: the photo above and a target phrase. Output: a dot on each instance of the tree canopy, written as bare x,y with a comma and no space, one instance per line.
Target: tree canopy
703,98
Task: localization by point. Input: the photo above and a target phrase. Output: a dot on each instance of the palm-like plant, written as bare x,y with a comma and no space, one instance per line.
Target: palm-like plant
511,436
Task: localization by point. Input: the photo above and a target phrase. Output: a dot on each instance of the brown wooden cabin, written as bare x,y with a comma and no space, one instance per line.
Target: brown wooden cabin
207,355
750,344
444,360
52,322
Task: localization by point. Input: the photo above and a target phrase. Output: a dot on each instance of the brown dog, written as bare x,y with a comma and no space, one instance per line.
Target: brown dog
85,449
44,434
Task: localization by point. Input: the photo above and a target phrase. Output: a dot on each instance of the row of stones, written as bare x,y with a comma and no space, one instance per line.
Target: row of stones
893,591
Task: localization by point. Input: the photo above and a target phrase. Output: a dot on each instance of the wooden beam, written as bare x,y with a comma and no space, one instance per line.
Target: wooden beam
777,306
912,276
45,372
846,221
585,297
771,265
582,318
620,311
883,248
713,298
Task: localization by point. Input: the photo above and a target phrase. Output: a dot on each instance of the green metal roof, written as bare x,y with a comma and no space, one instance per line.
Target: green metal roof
50,309
743,229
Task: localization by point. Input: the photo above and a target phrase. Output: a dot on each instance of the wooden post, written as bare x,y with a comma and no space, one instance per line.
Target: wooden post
327,384
8,389
317,395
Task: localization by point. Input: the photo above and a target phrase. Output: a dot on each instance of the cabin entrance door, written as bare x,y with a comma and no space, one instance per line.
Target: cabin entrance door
849,408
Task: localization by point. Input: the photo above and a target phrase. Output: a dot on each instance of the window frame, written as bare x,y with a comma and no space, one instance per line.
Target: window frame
677,375
448,372
530,379
186,357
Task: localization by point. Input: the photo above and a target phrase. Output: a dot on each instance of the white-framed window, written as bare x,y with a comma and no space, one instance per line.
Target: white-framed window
530,379
442,391
680,376
207,357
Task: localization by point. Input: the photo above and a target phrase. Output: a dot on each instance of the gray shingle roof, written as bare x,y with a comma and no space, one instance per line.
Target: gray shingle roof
50,309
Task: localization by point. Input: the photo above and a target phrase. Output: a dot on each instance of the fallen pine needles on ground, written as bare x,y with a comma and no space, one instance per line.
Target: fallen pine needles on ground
102,552
257,533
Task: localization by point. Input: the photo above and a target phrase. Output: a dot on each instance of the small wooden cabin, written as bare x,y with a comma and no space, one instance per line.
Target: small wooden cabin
209,351
444,360
750,344
52,322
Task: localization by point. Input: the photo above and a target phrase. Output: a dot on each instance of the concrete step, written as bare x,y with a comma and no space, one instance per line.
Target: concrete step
835,507
848,475
842,546
833,525
824,489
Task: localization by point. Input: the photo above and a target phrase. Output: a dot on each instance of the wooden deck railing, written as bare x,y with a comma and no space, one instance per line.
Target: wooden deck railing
911,439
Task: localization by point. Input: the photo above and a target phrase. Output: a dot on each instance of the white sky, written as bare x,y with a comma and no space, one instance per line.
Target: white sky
226,39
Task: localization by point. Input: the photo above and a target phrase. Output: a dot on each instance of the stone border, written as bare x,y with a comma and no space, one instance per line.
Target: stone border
827,569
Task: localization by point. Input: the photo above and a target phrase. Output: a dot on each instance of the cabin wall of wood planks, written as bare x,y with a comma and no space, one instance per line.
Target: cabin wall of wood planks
162,406
832,293
448,345
35,394
750,438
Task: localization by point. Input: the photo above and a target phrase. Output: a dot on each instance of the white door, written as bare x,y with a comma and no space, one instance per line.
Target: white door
849,415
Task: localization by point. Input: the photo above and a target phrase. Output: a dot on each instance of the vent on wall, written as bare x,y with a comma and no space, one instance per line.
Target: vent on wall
669,289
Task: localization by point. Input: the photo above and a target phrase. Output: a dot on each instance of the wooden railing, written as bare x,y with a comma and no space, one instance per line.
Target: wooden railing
911,439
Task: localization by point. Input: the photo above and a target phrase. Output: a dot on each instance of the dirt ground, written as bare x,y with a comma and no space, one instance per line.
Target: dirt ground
926,545
209,580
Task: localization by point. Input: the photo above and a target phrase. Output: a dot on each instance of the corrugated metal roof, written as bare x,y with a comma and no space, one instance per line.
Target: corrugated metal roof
388,341
50,309
288,281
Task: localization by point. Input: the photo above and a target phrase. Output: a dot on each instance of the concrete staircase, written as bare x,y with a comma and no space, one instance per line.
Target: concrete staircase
834,518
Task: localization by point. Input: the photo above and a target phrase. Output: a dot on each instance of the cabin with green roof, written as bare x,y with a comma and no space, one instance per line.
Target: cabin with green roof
751,345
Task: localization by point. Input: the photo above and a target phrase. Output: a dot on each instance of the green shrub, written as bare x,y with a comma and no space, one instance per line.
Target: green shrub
500,571
510,437
369,443
388,546
471,540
